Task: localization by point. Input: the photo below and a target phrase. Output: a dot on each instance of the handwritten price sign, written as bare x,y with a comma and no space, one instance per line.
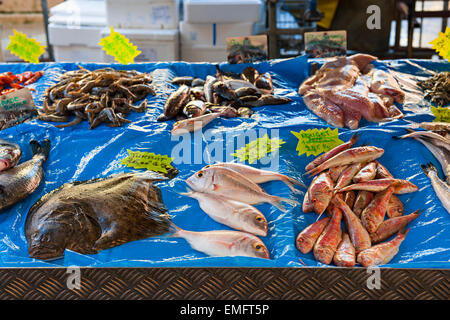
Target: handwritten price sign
119,47
315,141
258,149
25,48
149,161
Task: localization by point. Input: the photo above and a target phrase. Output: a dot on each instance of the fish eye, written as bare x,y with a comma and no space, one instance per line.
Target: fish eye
200,174
257,246
258,218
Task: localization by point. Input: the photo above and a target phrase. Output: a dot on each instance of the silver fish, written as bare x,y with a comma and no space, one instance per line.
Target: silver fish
231,184
21,181
10,154
260,176
193,124
224,243
440,187
235,214
208,88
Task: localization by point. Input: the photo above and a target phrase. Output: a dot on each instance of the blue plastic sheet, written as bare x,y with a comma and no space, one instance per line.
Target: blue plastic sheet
78,153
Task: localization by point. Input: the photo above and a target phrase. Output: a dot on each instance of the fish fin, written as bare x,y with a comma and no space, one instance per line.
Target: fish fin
428,167
276,201
42,148
107,240
292,181
355,138
215,187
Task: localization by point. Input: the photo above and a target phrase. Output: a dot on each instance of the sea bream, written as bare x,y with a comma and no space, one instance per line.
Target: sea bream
235,214
10,154
224,243
260,176
231,184
19,182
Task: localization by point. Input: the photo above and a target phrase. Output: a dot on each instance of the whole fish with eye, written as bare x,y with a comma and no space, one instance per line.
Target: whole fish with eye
94,215
259,176
235,214
228,183
224,243
19,182
10,154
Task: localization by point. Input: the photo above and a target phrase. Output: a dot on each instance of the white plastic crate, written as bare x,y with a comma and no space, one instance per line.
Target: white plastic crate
203,53
75,30
213,34
155,45
149,14
222,11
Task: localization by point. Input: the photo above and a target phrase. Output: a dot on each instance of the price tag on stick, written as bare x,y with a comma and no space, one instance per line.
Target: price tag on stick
119,47
25,48
442,44
258,149
441,114
147,160
315,141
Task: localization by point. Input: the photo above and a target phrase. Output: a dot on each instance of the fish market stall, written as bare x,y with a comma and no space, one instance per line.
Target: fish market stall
86,206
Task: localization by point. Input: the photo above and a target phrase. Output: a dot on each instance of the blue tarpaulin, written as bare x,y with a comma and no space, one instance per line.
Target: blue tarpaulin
79,154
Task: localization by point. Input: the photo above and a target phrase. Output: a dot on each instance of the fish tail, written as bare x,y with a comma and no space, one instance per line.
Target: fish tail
42,148
355,138
428,167
175,231
276,201
289,180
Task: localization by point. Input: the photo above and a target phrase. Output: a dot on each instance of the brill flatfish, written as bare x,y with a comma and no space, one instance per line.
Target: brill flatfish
94,215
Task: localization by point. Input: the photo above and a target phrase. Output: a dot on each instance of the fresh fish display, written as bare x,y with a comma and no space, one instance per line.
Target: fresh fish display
193,124
437,88
395,207
362,201
94,215
358,234
175,103
364,191
437,144
441,188
10,82
392,226
381,253
308,237
349,156
373,215
367,173
328,241
321,192
19,182
259,176
224,243
345,255
10,154
333,152
345,90
232,95
98,96
235,214
233,185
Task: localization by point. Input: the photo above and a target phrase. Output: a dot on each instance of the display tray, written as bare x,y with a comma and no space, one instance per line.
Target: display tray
79,154
224,284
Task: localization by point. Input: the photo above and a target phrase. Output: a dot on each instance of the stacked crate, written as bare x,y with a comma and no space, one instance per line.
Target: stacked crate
208,23
151,25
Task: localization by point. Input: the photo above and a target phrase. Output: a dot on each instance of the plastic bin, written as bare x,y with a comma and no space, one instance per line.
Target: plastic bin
203,53
149,14
222,11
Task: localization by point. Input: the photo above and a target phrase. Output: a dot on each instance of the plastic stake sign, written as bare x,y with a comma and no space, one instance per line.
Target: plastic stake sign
25,48
119,47
147,160
258,149
315,141
442,44
441,114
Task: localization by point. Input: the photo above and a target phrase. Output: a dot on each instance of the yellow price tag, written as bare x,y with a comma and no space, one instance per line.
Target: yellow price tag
119,47
147,160
27,49
441,114
258,149
315,141
442,44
